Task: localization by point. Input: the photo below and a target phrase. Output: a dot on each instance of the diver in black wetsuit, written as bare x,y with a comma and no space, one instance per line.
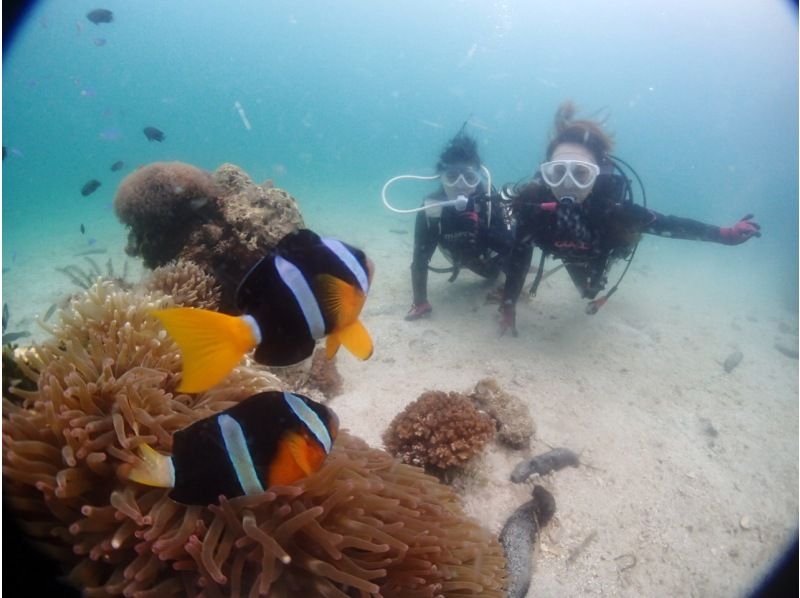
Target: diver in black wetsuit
475,232
577,210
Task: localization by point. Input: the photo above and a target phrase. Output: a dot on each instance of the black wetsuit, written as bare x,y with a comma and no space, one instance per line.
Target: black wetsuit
587,237
478,238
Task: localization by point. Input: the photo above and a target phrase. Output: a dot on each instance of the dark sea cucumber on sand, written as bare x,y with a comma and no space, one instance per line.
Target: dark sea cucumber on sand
543,464
519,537
732,361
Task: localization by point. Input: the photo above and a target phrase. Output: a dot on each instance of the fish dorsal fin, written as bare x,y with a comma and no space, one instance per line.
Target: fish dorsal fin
339,299
211,343
154,469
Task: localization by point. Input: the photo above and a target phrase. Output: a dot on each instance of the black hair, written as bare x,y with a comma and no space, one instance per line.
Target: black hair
461,149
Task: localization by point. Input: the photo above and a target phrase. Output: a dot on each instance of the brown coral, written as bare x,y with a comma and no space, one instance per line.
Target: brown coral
515,427
223,222
187,283
362,525
438,430
161,202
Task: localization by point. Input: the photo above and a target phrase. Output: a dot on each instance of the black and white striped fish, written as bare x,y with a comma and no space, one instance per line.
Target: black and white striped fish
304,289
272,438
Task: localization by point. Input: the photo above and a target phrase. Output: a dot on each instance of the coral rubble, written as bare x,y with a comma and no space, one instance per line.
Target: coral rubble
105,383
515,426
438,430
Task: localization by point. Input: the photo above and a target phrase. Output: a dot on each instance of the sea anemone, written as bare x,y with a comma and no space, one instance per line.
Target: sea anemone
105,383
187,283
438,430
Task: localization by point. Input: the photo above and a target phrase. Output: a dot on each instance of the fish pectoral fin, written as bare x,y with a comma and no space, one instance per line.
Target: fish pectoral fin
299,448
211,343
153,469
356,339
339,299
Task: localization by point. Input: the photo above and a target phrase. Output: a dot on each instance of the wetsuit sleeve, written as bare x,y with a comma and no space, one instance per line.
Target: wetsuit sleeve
648,221
517,266
426,237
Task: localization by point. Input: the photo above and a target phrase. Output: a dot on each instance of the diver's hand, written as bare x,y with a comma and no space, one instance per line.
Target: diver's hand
508,318
739,232
418,311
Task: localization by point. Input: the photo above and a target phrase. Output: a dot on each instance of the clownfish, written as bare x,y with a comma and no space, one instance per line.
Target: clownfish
305,288
269,439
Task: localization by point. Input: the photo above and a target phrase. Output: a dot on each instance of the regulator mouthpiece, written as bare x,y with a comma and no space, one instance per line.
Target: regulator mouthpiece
460,203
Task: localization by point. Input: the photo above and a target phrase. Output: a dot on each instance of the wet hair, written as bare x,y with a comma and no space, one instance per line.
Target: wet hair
461,149
588,133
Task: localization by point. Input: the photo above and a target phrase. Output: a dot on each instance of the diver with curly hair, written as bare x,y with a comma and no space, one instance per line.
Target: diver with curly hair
472,227
578,209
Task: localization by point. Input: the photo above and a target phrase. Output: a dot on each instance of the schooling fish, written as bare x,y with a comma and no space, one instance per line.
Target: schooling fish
153,134
272,438
117,165
100,15
305,288
90,187
83,229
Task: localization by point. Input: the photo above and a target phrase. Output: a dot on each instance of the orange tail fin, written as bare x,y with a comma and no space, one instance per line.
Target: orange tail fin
212,344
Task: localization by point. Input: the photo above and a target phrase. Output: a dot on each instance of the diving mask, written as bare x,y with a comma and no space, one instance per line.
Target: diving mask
582,174
466,176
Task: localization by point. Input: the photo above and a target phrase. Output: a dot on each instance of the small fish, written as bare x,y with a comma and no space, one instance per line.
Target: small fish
271,438
732,361
91,241
83,229
90,187
50,311
117,165
5,152
5,316
100,15
10,337
304,289
99,41
153,134
110,134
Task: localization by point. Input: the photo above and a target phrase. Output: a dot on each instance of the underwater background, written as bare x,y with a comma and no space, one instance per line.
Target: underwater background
702,98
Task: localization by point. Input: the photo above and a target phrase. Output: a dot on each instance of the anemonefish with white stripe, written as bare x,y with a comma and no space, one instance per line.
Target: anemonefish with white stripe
305,288
269,439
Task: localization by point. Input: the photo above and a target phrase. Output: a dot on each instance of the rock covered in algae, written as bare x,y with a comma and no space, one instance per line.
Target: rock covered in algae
515,427
221,221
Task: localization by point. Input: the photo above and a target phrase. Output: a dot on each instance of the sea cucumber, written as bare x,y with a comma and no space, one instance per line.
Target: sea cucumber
519,536
732,361
543,464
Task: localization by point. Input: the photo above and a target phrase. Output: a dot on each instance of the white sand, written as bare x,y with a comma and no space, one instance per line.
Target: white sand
638,390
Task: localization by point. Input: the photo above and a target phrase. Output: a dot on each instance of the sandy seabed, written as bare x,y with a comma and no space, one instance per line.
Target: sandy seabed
689,482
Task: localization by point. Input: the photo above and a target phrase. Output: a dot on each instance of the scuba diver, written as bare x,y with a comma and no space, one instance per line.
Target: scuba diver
471,226
579,208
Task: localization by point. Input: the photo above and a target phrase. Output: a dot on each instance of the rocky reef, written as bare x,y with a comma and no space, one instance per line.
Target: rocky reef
222,221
